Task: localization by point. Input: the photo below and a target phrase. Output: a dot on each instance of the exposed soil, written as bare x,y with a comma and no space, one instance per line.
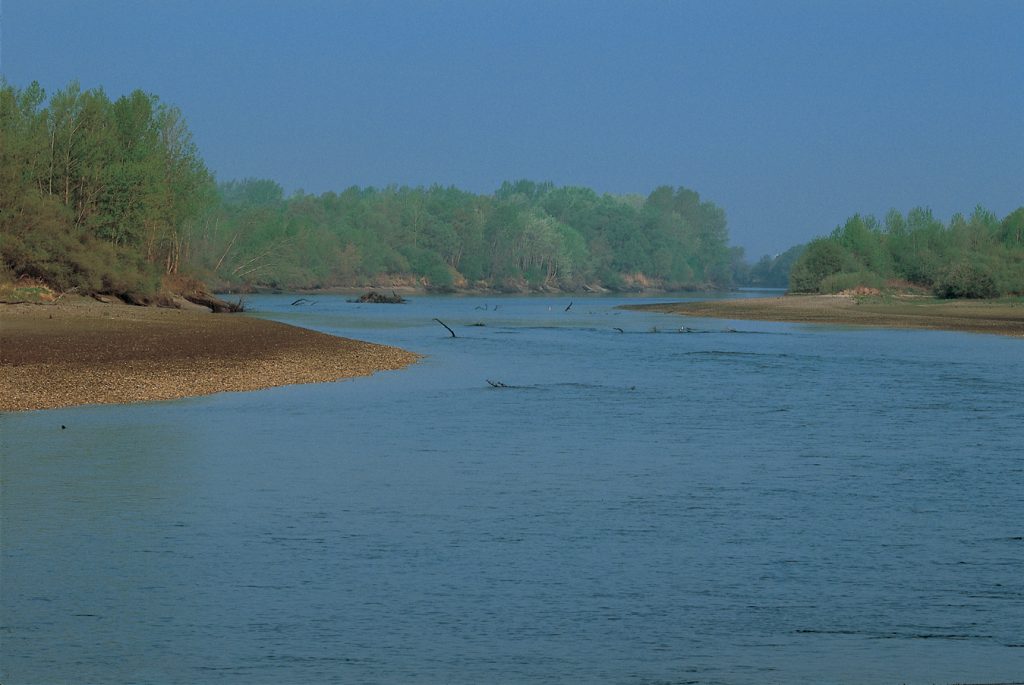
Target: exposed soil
80,351
976,316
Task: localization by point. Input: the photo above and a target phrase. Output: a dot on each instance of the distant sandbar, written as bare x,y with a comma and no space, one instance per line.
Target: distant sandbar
975,316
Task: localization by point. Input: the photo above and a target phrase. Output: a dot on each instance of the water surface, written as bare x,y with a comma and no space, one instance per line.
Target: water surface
742,503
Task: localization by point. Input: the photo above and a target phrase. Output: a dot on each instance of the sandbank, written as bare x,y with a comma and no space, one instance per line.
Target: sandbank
80,351
975,316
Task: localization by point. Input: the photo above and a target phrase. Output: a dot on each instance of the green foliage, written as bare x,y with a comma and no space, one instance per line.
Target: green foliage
847,280
1011,230
822,258
96,195
429,266
863,241
965,279
773,272
107,196
526,234
975,256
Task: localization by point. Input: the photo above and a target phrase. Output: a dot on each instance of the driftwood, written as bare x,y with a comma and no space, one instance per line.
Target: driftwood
303,300
446,326
216,305
65,293
373,297
496,384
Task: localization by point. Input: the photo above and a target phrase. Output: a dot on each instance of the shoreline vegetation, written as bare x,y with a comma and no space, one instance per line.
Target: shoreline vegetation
112,197
979,256
80,351
1000,317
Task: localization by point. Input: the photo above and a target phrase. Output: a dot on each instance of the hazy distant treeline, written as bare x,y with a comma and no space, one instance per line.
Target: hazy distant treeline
108,196
767,272
975,256
525,235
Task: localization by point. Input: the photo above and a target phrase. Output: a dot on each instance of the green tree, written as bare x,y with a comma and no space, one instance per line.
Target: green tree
821,258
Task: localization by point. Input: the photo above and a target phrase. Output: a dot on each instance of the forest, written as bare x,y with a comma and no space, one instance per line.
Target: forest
977,256
525,236
112,196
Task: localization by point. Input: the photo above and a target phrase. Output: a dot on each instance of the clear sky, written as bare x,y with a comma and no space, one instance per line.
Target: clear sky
790,115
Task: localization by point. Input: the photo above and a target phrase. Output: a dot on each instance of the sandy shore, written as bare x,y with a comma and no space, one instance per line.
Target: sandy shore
974,316
85,352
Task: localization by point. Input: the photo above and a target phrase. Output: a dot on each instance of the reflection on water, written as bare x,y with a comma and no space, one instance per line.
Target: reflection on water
771,504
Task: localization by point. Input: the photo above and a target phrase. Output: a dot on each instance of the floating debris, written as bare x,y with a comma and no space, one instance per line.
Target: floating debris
373,297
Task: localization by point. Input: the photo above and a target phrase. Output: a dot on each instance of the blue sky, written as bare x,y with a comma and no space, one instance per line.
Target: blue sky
790,115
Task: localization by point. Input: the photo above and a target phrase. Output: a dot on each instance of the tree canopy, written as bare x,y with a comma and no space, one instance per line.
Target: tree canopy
96,194
110,195
974,256
525,235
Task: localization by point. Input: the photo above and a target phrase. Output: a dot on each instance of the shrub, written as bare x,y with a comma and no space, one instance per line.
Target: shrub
821,259
847,280
430,266
965,279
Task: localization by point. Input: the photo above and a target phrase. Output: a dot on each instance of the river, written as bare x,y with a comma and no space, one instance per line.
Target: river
740,502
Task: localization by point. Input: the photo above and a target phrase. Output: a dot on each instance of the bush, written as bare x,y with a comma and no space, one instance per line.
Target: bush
847,280
1010,278
430,266
965,279
821,259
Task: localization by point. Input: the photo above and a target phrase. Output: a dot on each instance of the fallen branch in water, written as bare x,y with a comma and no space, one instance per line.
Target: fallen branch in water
496,384
446,326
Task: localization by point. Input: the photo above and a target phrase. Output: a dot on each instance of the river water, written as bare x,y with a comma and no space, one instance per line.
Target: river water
741,503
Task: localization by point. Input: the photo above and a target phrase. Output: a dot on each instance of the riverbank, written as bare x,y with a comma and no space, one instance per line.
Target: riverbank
80,351
975,316
634,287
